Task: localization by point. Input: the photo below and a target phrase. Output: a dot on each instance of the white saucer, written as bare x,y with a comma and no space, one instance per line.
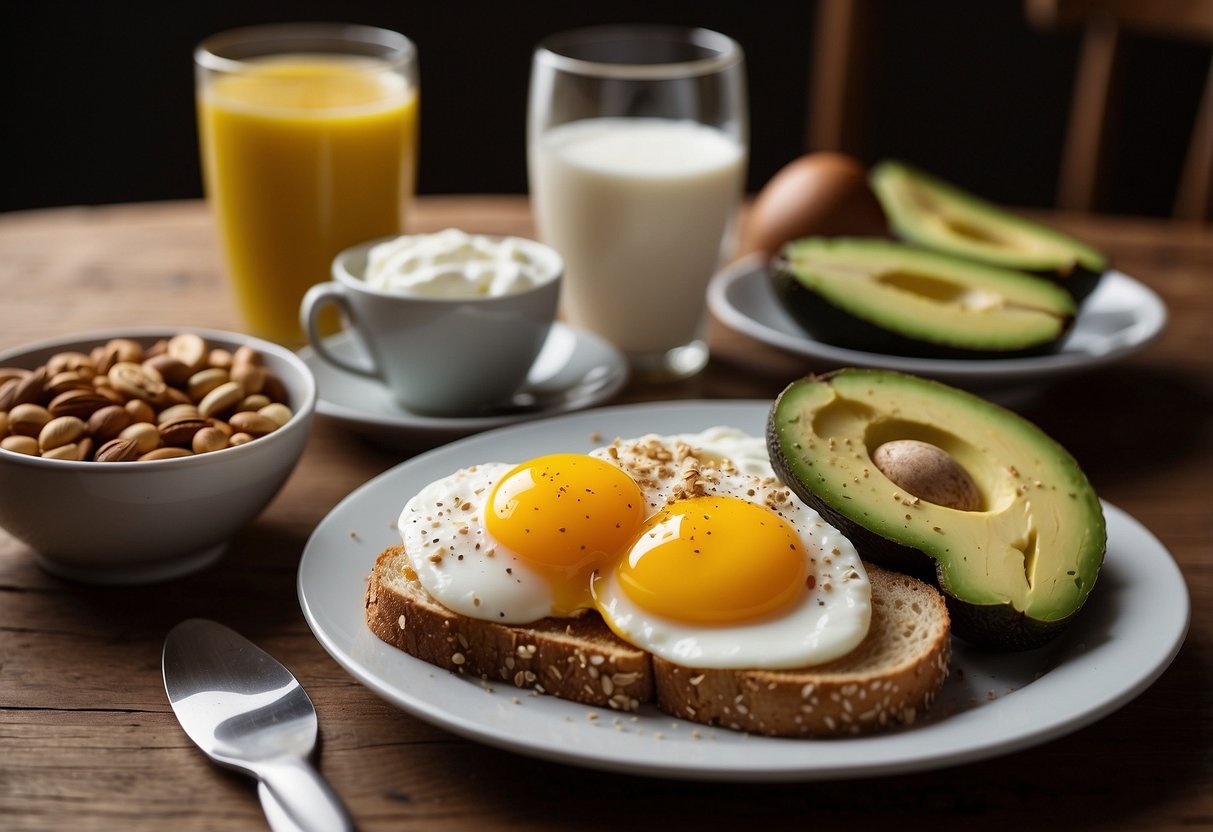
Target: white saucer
575,370
1121,317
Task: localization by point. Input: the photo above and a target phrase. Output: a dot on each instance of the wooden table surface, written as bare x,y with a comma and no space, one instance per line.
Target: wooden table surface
87,739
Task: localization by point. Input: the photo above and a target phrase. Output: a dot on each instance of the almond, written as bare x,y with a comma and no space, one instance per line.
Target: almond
173,395
79,403
118,450
61,430
140,411
190,349
246,355
222,398
20,444
204,381
105,424
145,435
180,432
8,392
170,369
209,439
69,451
275,389
177,411
28,419
254,424
8,373
250,376
165,453
119,351
68,380
277,412
30,388
220,358
254,402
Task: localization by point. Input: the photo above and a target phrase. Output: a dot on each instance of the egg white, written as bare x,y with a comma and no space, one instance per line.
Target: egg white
825,622
458,562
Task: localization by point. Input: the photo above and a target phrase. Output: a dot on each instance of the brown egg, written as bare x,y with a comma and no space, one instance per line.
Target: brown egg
820,194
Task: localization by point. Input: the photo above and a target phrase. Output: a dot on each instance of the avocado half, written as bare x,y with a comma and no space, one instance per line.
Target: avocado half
1016,570
882,296
929,212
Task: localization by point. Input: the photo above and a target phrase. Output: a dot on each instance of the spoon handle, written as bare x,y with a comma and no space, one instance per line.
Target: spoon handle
275,813
298,794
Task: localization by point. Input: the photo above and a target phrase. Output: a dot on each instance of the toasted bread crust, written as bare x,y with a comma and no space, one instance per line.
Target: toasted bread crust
870,688
891,678
578,659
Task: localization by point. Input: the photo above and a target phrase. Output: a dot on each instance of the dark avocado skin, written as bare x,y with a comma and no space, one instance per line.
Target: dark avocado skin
996,627
1080,283
828,324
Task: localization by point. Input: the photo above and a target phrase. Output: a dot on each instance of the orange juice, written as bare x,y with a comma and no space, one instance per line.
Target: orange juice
304,155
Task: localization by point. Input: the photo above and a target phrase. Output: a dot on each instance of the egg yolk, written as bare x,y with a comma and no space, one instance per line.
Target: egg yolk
714,560
565,512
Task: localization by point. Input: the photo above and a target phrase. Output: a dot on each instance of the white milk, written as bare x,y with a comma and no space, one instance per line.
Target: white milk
638,209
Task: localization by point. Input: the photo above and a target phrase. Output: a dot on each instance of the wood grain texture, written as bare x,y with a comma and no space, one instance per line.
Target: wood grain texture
87,739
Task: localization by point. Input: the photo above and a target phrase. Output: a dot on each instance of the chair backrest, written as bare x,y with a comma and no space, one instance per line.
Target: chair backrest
1104,23
839,87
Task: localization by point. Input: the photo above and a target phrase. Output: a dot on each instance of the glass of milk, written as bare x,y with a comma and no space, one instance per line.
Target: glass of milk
637,143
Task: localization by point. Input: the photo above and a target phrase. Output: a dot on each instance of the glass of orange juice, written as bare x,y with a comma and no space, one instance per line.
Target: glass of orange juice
308,137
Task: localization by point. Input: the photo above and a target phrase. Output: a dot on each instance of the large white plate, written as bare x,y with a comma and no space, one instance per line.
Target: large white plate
1121,317
1132,627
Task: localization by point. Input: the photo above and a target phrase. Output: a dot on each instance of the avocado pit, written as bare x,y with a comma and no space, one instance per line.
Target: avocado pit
929,473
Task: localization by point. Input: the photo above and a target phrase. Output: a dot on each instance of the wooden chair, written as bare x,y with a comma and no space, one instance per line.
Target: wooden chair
838,87
1103,23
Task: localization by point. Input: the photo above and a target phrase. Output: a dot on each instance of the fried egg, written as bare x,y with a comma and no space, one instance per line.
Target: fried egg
686,545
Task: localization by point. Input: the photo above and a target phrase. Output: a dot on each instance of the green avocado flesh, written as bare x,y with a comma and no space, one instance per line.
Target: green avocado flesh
1015,570
883,296
929,212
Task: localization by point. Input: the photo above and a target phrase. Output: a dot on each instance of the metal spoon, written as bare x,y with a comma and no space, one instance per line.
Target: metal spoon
246,711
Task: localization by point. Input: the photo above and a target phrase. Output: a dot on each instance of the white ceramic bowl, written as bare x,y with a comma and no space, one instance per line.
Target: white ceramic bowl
139,522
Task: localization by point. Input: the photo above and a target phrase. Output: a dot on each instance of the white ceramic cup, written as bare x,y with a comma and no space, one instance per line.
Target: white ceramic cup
443,356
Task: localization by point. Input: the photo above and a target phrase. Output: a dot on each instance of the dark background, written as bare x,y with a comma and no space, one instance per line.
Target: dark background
99,96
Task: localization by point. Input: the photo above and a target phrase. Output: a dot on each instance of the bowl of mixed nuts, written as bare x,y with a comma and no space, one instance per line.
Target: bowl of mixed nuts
134,456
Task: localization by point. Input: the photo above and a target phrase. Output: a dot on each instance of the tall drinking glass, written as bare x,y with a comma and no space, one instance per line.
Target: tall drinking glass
637,145
308,134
